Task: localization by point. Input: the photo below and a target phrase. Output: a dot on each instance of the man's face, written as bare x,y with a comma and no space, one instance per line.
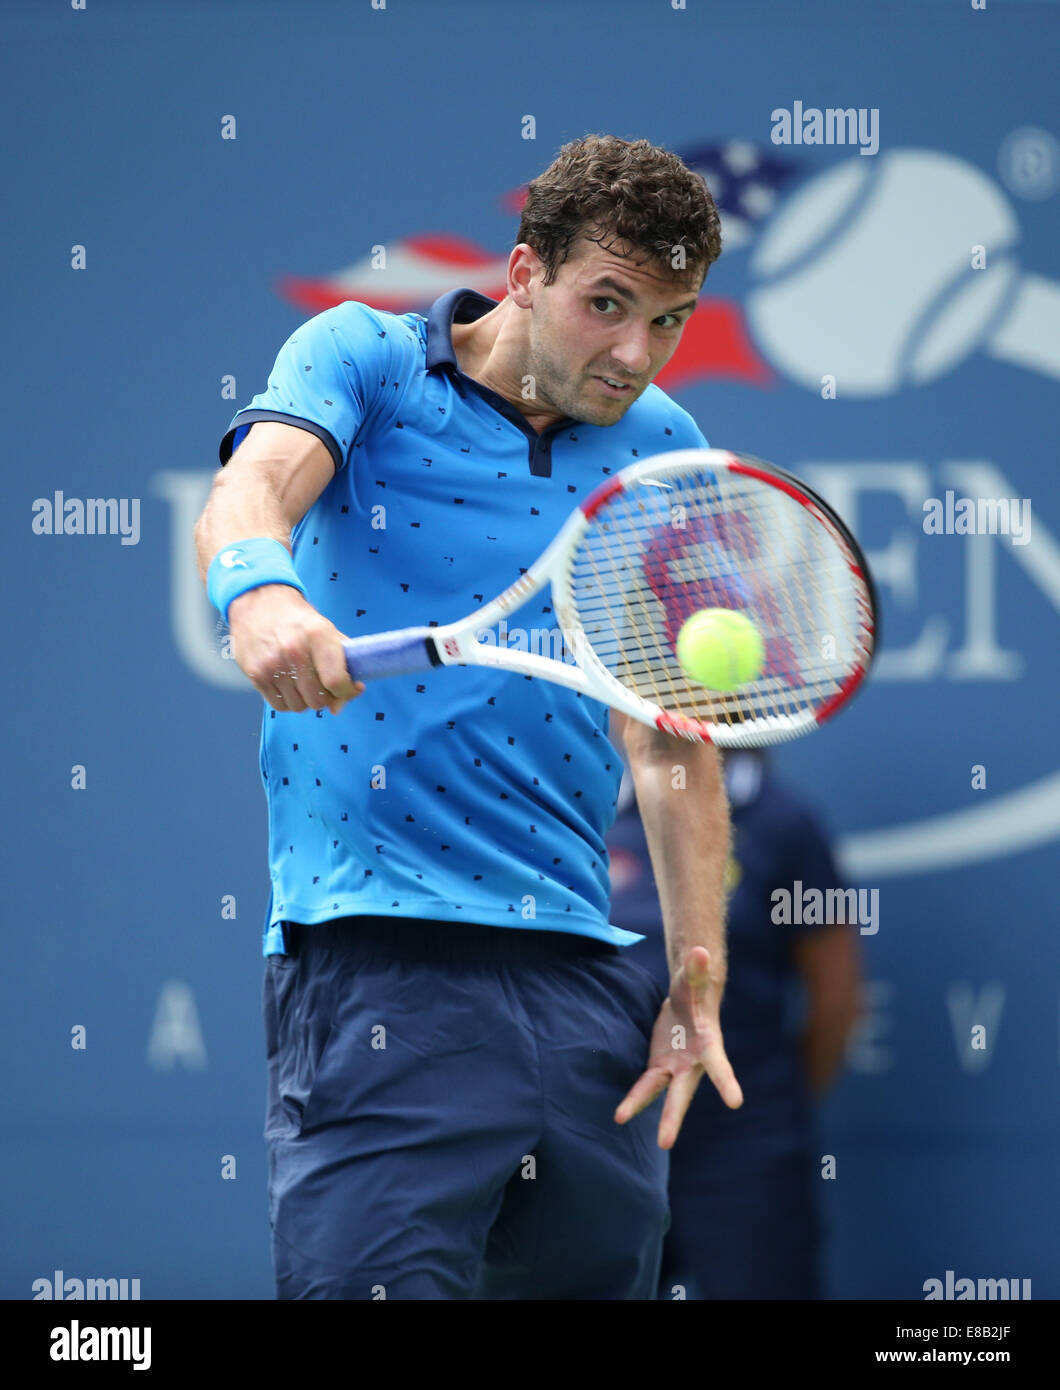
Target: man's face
604,316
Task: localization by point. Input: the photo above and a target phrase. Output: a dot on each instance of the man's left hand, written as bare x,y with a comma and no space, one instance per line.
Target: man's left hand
685,1042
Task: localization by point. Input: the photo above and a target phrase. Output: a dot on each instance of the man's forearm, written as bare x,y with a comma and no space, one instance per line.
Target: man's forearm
823,1049
828,960
238,508
685,813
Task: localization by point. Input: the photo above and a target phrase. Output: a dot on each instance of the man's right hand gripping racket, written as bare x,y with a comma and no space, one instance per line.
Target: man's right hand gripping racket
660,541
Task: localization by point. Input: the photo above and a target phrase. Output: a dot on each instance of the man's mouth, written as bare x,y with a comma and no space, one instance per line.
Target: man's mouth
613,387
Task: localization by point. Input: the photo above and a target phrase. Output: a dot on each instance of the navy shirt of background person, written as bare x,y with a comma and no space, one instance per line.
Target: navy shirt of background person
745,1223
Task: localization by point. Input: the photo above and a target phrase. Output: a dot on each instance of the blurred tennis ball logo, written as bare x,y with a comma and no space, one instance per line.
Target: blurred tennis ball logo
720,648
840,288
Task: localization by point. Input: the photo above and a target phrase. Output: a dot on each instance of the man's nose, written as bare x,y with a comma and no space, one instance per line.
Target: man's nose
632,350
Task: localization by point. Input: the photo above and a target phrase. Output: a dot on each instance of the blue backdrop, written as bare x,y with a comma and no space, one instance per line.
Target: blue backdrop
182,184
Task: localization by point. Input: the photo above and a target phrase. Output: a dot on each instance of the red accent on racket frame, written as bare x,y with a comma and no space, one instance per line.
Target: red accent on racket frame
738,466
602,494
842,695
856,677
676,724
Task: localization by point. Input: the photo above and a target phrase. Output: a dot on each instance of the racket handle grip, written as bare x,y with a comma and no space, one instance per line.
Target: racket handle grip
390,654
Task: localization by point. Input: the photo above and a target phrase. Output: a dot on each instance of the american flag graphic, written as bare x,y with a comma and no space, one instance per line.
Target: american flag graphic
746,181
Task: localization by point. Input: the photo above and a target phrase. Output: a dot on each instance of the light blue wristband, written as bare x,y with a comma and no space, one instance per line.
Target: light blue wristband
248,565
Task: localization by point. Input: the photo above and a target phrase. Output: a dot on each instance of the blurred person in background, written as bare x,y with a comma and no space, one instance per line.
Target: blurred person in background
743,1184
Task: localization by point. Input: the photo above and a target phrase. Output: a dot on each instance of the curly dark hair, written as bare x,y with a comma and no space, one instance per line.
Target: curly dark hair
612,190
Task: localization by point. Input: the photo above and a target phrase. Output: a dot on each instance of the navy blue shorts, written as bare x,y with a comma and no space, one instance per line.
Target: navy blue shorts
439,1121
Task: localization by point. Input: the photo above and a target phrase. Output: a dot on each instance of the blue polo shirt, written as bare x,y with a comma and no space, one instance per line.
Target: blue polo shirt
462,794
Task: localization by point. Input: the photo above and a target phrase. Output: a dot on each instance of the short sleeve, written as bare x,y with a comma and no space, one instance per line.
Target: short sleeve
686,433
326,379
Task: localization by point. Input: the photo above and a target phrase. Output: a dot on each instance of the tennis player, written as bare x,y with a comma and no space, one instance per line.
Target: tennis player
472,1091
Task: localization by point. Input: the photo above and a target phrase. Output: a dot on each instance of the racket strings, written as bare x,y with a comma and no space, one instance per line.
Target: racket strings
665,548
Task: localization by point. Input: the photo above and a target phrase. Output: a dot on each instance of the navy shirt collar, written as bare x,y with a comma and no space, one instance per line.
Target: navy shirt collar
457,306
464,306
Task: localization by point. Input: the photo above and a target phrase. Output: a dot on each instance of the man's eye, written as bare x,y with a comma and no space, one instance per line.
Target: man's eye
603,299
676,322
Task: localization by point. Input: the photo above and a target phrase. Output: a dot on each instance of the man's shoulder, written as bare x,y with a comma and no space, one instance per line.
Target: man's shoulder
355,318
657,410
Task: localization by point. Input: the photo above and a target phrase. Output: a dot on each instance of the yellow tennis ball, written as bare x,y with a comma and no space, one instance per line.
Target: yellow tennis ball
720,648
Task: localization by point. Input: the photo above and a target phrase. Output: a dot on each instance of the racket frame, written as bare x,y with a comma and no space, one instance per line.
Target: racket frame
458,643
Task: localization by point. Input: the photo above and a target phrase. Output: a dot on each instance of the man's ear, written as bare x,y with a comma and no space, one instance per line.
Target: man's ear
523,264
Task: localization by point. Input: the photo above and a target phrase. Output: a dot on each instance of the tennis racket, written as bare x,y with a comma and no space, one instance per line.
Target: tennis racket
659,541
